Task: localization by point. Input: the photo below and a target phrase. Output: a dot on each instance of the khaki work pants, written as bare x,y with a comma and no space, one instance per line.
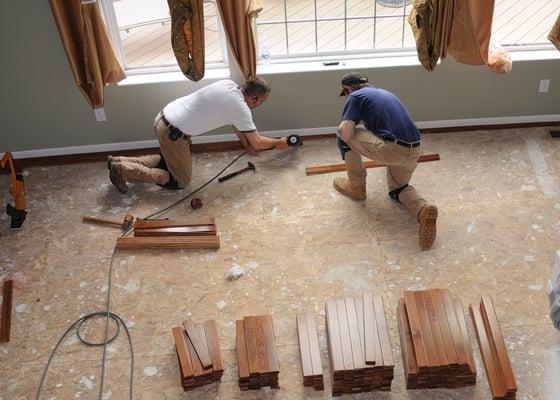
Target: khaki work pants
401,162
177,155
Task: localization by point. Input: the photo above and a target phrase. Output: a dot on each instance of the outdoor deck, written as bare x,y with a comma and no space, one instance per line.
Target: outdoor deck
515,21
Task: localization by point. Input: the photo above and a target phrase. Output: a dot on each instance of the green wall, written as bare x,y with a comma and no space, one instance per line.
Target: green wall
42,108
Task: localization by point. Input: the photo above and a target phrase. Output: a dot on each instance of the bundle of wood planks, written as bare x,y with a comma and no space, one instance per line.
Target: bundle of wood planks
199,233
256,353
309,350
198,351
360,352
435,343
493,349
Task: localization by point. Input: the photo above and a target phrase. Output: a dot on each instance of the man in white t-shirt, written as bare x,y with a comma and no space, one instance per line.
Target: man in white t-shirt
221,103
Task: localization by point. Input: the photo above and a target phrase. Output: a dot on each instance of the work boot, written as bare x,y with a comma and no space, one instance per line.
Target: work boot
356,192
116,178
427,219
110,159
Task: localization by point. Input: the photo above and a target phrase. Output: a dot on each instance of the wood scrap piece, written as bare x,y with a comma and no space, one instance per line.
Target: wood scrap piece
166,223
496,385
199,343
183,355
325,169
200,230
242,357
383,331
7,300
168,242
304,346
212,337
495,335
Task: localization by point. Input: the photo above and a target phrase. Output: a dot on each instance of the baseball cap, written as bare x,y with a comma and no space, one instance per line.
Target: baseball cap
352,78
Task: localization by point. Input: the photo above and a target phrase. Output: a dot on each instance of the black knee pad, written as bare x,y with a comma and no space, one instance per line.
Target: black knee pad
394,194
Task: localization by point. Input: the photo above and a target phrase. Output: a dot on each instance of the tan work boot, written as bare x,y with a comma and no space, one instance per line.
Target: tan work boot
356,192
427,218
116,178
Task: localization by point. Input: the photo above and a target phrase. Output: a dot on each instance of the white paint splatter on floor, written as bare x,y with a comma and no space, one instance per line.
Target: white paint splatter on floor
150,371
536,287
87,382
221,304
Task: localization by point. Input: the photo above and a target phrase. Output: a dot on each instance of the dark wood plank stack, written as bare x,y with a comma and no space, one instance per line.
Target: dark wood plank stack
309,350
167,234
257,359
7,299
493,350
435,343
198,352
360,352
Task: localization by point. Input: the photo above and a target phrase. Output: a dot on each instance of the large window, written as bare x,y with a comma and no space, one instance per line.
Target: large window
288,28
141,31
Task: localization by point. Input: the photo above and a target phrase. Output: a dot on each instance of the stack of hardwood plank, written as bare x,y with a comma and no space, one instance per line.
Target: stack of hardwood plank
256,353
435,343
310,351
198,351
493,349
360,352
167,234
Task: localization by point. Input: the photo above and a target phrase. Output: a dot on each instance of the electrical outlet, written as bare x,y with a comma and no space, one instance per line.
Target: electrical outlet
100,114
544,85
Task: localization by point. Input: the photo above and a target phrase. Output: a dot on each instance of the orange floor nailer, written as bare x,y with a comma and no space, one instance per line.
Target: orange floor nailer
17,212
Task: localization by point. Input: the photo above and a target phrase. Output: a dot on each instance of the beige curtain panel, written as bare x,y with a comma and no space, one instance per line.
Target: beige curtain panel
554,35
187,36
92,59
237,17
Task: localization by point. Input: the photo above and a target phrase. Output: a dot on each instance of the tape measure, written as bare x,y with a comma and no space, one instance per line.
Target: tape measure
294,140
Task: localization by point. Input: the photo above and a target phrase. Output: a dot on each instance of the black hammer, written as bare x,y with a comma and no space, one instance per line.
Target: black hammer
250,167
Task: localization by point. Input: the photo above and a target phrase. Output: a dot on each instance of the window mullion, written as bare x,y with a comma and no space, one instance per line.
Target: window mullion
113,29
316,29
286,25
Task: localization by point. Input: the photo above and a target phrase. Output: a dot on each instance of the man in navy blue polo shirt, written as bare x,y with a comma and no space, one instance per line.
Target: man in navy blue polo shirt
389,137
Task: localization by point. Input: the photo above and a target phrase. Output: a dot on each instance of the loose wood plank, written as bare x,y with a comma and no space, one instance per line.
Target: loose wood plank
272,355
198,369
183,352
261,345
383,331
304,346
415,329
213,340
453,322
242,358
335,345
202,230
407,347
495,335
466,340
344,334
202,333
314,344
166,223
371,339
199,343
7,299
357,352
447,337
168,242
496,386
359,301
325,169
427,337
437,337
250,328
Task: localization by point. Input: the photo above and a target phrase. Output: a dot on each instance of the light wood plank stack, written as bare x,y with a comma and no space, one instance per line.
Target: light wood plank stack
167,234
256,353
435,343
198,352
493,350
360,352
309,350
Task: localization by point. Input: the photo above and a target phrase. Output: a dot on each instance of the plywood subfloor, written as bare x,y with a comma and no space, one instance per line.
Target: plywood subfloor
300,243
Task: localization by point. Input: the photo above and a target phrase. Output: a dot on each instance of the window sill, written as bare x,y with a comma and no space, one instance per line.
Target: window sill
144,78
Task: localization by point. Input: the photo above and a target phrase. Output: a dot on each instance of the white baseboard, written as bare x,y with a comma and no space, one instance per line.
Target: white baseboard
113,147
